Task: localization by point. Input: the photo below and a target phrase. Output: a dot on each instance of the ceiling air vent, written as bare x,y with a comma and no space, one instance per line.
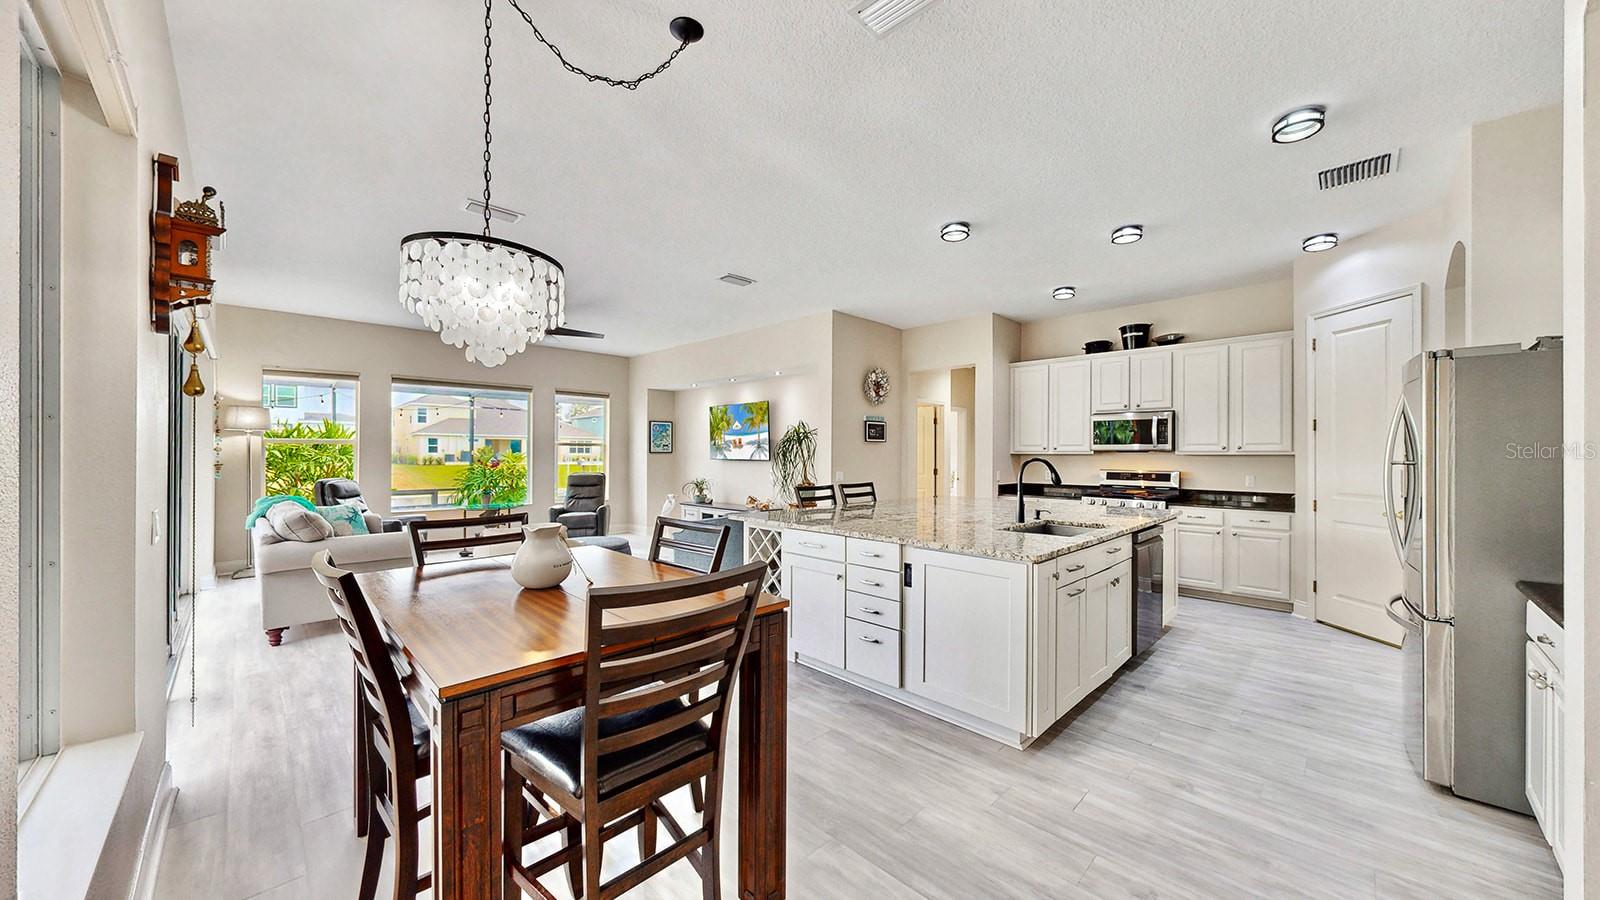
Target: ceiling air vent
495,212
1360,170
882,16
737,280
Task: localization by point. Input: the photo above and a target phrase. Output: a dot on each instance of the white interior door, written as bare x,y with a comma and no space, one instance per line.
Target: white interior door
1357,361
930,440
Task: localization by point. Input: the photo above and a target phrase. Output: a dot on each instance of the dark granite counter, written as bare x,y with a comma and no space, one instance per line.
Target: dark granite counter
1546,596
1252,500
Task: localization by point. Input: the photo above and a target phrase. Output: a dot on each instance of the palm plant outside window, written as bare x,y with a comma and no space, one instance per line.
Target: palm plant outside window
453,445
582,424
313,431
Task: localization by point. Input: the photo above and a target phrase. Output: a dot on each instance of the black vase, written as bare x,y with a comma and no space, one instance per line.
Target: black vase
1135,336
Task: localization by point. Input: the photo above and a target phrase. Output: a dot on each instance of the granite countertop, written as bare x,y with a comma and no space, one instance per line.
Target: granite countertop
1260,501
971,526
1547,596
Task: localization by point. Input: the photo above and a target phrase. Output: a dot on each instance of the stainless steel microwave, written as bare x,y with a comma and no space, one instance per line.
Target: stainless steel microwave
1133,431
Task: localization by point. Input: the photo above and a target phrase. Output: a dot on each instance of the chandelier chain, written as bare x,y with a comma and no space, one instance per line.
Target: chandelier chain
631,84
488,101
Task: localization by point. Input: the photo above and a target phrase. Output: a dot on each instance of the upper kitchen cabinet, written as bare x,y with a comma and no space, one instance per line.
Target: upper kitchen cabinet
1030,408
1261,398
1111,375
1201,385
1069,426
1141,379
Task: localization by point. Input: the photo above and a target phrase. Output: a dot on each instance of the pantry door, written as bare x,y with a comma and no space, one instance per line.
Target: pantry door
1357,360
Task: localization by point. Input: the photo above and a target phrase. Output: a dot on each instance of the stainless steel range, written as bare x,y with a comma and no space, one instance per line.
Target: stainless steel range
1139,490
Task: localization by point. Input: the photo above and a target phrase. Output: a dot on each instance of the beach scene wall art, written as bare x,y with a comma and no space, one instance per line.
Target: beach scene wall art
741,431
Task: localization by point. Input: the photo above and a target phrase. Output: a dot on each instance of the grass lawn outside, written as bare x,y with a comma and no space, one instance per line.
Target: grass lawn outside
425,478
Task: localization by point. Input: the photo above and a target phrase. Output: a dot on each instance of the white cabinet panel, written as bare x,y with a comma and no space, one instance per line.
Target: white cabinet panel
1110,382
1070,429
1200,557
1200,385
1150,379
1257,563
1094,648
1069,686
1261,399
966,635
872,651
1030,408
1119,606
1545,747
816,592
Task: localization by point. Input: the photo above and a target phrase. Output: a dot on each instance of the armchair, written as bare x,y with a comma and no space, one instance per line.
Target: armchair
586,513
331,491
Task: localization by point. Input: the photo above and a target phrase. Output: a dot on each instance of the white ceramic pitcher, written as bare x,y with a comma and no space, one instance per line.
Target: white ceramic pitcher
543,560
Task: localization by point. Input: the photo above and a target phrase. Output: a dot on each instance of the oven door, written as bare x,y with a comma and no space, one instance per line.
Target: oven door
1133,431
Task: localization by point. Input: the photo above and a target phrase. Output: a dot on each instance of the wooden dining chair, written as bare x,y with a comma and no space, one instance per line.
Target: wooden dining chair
489,534
603,769
813,496
858,493
391,734
703,556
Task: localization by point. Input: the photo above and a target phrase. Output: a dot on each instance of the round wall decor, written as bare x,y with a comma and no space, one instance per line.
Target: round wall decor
877,385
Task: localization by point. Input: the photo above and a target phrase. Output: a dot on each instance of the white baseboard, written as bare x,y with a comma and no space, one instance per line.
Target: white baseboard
155,837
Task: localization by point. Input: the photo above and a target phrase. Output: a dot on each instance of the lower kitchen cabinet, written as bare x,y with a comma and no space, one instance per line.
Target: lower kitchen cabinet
816,592
1258,563
1200,556
1085,633
1238,552
1545,736
966,635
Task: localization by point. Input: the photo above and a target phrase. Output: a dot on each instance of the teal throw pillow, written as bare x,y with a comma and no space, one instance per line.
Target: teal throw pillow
345,520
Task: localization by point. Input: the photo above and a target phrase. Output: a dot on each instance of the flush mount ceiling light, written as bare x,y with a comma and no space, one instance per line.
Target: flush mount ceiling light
1320,242
1127,234
1065,292
955,232
490,295
1298,124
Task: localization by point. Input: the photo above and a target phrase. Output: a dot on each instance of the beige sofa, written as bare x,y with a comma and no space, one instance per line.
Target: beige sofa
291,595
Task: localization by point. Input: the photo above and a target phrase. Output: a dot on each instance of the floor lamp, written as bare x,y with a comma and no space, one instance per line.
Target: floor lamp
246,420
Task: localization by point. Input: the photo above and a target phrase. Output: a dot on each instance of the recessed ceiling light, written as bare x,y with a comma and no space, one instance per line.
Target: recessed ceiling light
955,232
1127,234
1320,242
1298,124
1065,292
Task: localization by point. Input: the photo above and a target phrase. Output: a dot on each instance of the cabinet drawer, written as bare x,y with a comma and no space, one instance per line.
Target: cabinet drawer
1197,515
874,610
873,554
814,544
876,582
1549,636
872,651
1266,521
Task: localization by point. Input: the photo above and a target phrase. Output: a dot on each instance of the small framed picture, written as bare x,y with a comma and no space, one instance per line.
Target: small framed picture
877,430
660,436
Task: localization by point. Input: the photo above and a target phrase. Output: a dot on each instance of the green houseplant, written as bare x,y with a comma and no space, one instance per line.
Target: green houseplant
294,468
699,489
493,478
794,460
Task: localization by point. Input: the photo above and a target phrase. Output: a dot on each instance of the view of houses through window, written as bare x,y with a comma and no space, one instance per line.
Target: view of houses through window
313,431
580,437
457,446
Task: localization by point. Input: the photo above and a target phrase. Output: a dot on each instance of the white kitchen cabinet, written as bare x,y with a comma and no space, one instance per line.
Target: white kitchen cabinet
1257,563
1200,386
816,592
1150,379
1069,427
1544,746
1106,623
1069,686
1030,408
1110,375
1200,556
1260,404
966,635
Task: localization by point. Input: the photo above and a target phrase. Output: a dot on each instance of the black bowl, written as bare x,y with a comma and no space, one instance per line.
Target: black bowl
1135,336
1099,347
1164,340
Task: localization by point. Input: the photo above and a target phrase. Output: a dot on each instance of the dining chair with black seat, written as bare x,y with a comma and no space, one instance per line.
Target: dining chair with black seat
603,769
695,545
392,739
858,493
487,531
815,496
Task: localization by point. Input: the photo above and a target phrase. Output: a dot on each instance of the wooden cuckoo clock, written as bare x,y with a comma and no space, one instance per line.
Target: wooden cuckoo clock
181,241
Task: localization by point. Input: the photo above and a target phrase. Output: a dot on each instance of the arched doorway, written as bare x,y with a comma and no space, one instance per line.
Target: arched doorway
1455,298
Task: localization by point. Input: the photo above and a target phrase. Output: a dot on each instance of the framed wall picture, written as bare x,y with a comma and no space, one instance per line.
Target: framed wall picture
660,436
876,430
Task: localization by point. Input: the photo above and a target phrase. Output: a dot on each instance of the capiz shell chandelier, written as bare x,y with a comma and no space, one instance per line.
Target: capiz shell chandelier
491,296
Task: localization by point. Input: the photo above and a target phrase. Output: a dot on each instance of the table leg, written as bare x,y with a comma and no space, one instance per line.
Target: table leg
466,852
763,761
363,736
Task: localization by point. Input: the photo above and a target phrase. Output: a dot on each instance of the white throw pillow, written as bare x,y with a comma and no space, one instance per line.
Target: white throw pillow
356,502
294,522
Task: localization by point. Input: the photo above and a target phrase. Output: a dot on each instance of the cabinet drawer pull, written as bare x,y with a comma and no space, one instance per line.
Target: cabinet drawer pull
871,640
1262,521
1546,639
1076,568
871,583
870,555
871,612
1074,593
811,545
1113,549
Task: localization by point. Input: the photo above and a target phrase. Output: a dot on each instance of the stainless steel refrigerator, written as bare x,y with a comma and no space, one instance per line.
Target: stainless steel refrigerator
1474,505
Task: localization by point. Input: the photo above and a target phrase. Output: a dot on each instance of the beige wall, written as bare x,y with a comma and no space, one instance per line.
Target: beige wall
988,344
1514,251
10,197
253,340
792,398
859,345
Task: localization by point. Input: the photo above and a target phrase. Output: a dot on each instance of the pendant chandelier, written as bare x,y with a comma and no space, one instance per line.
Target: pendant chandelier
489,295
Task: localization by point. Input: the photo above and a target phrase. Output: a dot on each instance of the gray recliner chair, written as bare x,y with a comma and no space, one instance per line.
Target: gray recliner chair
333,491
586,513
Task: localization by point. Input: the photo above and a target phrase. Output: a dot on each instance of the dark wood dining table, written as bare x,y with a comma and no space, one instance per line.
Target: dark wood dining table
486,656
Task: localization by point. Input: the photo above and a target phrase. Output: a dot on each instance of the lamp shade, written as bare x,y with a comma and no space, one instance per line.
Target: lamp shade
245,418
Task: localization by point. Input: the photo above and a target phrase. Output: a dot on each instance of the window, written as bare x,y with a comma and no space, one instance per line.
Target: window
580,437
455,445
313,431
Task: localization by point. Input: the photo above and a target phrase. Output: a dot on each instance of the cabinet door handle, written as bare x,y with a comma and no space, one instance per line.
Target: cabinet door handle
1116,581
1539,680
1546,639
1240,447
1223,447
870,640
1056,576
1074,593
838,578
871,612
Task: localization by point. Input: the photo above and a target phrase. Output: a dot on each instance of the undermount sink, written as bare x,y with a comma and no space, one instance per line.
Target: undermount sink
1055,529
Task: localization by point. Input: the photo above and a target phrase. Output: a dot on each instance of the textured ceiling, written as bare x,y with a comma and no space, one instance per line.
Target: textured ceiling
796,148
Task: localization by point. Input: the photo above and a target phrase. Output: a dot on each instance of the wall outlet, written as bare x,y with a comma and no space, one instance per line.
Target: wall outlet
838,476
1249,481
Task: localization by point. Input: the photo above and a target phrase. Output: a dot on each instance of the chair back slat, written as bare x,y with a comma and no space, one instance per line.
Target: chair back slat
652,662
633,737
421,546
629,632
858,493
815,496
703,558
641,697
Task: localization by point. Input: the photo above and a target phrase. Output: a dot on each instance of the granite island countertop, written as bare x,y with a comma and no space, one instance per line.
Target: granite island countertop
970,526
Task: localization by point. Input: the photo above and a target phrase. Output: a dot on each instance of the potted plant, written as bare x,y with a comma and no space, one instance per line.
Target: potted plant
794,460
699,489
492,479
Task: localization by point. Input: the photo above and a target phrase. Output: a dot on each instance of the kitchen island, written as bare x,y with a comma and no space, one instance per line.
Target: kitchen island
955,608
